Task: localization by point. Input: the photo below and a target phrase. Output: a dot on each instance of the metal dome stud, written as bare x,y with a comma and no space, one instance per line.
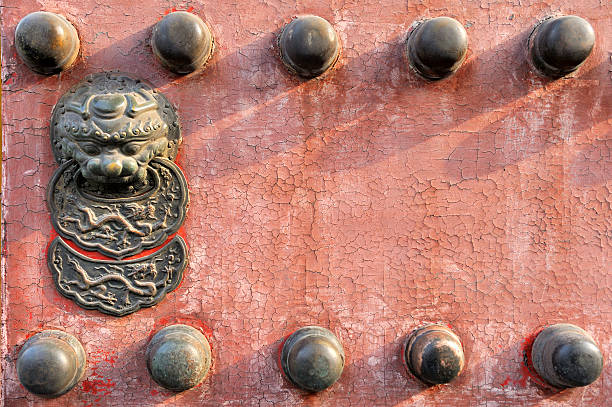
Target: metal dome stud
437,47
434,354
182,42
46,42
51,363
558,46
178,357
565,355
312,358
309,46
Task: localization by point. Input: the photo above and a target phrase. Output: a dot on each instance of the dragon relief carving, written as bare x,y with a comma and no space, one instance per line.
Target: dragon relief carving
117,190
123,226
117,287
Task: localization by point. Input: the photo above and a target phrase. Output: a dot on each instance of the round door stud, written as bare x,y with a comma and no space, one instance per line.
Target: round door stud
46,42
51,363
309,46
558,46
178,357
434,354
565,355
437,47
182,42
312,358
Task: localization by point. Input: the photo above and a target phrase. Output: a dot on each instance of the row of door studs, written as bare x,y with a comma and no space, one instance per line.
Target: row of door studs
309,46
179,356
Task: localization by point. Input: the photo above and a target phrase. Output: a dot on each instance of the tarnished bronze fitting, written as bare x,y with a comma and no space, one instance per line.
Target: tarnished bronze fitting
46,42
182,42
309,46
565,355
434,354
558,46
51,363
312,358
178,357
437,47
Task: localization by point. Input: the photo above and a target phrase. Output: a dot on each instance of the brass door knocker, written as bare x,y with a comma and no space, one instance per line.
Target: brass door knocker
116,192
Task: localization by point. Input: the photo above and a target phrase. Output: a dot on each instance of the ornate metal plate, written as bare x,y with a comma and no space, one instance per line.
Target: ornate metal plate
117,192
118,222
117,287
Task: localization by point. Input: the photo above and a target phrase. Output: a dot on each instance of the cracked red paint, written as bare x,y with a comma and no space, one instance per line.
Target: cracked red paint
367,201
97,386
190,9
527,371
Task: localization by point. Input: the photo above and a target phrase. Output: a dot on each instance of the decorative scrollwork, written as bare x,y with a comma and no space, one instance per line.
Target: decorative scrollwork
117,192
118,223
117,287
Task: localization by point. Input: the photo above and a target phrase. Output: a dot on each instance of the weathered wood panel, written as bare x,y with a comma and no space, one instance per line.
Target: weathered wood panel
367,201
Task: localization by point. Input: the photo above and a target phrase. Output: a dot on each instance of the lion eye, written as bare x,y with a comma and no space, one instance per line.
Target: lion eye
90,148
131,148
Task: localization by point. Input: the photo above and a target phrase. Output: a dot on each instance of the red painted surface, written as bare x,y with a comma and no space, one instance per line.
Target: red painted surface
367,201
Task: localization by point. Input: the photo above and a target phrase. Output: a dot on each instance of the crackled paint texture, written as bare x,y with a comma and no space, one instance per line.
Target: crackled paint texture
367,201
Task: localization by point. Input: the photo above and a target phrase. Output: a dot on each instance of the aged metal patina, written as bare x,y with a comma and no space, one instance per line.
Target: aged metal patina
51,363
117,192
434,354
309,46
113,220
178,357
565,355
117,287
182,42
559,45
112,194
112,124
312,358
437,47
46,42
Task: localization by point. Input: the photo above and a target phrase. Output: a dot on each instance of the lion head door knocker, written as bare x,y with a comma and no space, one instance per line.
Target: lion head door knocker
116,192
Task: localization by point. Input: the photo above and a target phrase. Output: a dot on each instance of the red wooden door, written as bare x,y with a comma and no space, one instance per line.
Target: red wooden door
367,201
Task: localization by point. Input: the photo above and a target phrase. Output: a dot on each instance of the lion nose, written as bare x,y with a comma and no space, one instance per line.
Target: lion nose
112,167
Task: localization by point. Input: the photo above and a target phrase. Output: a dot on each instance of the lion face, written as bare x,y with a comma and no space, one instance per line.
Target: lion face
113,132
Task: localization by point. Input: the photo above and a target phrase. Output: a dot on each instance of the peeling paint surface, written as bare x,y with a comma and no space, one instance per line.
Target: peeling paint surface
366,201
